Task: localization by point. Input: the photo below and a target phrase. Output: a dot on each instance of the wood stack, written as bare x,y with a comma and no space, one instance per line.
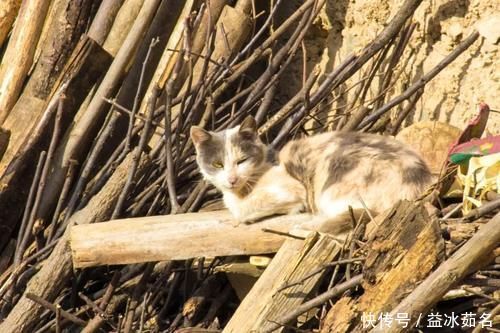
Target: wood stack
96,102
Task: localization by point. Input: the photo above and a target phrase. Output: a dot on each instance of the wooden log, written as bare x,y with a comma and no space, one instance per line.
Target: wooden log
473,255
168,57
57,270
48,22
232,28
85,66
408,238
122,25
18,56
8,13
161,28
237,27
57,65
267,302
340,317
405,239
103,20
192,235
4,141
69,22
85,129
198,43
175,237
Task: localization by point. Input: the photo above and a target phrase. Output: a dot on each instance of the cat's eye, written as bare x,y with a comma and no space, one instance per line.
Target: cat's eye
241,160
217,164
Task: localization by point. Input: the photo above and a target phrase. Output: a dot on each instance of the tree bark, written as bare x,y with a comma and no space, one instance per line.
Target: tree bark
8,13
19,54
87,63
121,26
473,255
405,239
103,20
69,22
86,127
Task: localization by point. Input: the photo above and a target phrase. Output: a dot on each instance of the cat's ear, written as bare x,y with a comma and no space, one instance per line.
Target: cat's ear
199,135
248,128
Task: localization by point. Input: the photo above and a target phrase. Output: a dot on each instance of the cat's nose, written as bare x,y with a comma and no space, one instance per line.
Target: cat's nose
232,180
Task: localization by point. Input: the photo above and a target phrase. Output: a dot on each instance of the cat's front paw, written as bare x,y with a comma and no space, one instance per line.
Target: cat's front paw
239,220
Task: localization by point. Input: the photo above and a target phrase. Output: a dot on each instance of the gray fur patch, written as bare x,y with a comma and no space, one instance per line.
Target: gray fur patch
249,147
211,151
339,166
299,165
417,174
370,177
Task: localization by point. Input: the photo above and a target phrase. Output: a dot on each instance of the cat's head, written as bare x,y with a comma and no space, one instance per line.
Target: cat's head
232,159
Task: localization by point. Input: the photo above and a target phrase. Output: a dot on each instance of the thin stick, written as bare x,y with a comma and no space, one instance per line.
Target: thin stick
137,156
119,108
319,270
170,179
88,166
289,106
453,211
58,318
276,63
464,45
53,308
316,301
266,103
135,106
23,229
401,117
120,323
259,33
493,313
139,289
45,172
91,304
260,50
472,291
483,210
286,234
49,326
200,187
367,210
349,66
62,198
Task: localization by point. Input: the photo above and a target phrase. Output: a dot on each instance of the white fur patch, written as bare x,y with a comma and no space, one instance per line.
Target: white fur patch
332,208
232,202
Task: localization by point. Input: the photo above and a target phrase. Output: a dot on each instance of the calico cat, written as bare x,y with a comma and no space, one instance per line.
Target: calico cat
323,174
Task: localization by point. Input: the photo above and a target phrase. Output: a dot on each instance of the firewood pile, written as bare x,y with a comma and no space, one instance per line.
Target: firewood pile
96,102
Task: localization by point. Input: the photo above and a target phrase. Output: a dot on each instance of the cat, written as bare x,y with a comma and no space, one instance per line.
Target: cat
322,174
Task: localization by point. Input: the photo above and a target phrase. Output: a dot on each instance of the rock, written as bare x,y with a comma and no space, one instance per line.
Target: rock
455,31
489,28
432,139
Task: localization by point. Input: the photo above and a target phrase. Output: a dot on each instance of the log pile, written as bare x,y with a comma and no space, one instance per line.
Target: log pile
96,102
